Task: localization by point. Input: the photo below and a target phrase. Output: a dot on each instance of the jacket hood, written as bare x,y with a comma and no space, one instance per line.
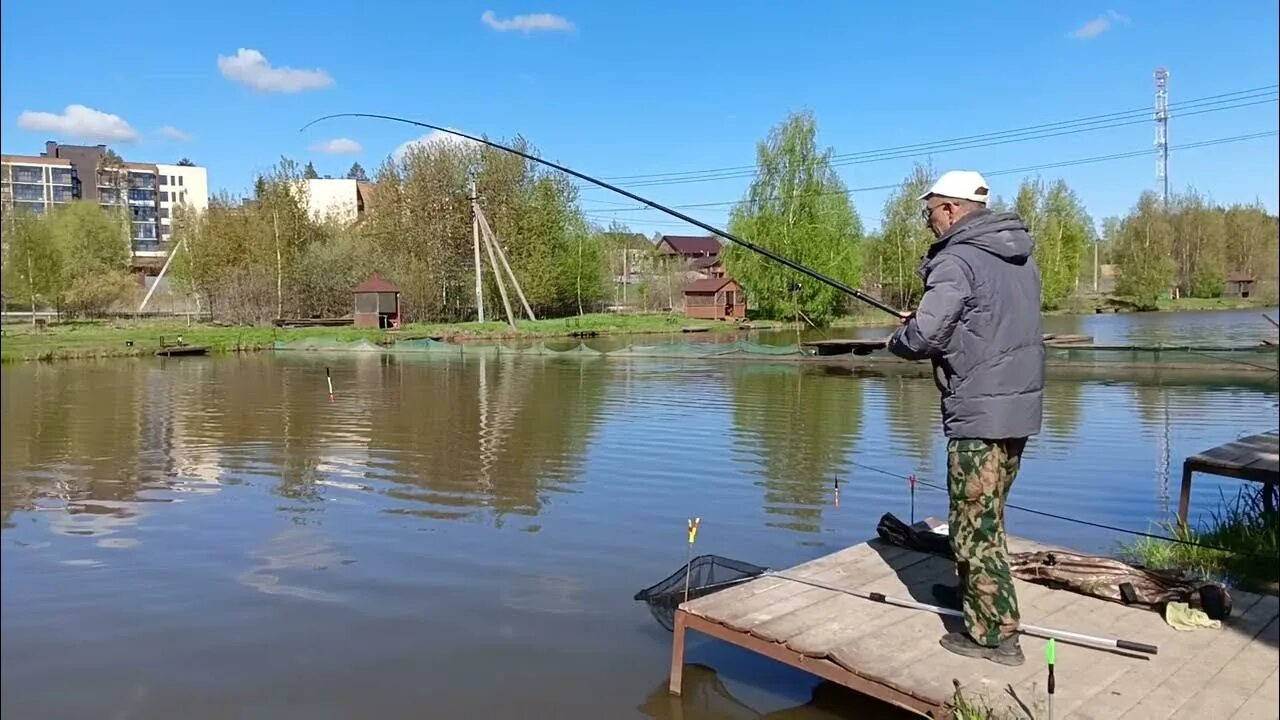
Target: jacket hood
1001,234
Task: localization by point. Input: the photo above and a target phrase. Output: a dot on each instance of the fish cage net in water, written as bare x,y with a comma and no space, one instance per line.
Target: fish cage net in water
705,574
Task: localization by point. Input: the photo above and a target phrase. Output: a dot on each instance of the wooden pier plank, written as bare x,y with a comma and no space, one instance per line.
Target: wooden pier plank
1232,685
907,653
787,595
833,609
865,616
746,618
893,653
1262,704
734,602
733,597
1137,682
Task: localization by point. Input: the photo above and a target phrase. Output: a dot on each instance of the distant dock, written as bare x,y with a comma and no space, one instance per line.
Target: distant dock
892,653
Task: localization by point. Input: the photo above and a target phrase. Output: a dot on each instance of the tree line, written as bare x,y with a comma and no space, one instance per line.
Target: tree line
74,259
268,256
798,206
252,259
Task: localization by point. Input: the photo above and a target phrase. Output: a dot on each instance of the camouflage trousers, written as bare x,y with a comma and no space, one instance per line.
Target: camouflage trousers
979,475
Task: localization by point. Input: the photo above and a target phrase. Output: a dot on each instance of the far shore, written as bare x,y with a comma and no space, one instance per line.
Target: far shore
82,339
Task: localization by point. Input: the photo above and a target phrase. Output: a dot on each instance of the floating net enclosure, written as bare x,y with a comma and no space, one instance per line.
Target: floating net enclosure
705,574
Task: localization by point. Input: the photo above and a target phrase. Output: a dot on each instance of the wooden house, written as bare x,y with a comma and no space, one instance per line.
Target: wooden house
1239,285
377,304
717,298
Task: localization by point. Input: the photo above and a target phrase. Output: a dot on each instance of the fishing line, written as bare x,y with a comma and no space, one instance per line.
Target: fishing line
854,292
1078,521
1229,359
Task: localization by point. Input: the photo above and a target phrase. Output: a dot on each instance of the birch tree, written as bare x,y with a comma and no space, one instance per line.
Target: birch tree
799,208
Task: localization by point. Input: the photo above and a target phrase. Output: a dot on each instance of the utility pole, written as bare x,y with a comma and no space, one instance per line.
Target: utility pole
1096,243
497,274
492,240
1162,131
475,247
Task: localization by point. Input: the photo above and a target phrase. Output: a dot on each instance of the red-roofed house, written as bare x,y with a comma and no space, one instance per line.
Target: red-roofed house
689,246
718,298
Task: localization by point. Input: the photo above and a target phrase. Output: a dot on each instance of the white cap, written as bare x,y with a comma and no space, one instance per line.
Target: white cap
962,185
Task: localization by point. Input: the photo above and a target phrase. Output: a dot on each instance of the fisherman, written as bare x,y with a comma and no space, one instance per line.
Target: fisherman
979,325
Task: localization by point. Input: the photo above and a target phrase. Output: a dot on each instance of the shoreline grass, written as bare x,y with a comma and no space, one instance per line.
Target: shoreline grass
93,339
1243,527
136,338
965,706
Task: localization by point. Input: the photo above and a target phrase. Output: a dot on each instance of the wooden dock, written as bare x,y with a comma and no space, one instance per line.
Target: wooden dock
1255,458
844,347
892,653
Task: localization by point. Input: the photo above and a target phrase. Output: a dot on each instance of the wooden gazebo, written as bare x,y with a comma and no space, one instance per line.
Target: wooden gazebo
377,304
715,298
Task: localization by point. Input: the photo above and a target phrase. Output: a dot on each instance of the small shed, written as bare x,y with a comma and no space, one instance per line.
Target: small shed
1239,285
377,304
717,298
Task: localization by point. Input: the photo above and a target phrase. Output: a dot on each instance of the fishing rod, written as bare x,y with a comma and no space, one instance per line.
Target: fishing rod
854,292
1097,641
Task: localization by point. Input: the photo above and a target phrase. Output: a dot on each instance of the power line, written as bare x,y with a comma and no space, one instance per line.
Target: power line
1007,171
938,149
1194,102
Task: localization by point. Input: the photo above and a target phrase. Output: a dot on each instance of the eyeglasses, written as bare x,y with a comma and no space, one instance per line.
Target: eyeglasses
926,212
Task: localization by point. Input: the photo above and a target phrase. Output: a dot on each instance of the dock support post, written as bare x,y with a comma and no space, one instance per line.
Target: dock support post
1184,498
677,654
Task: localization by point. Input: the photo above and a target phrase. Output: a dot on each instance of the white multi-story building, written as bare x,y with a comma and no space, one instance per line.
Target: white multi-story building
338,199
149,192
180,185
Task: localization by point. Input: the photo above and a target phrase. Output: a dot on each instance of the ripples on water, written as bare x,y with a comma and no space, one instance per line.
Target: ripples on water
211,538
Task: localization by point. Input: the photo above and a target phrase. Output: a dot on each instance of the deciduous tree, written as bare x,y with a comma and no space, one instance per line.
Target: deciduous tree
799,208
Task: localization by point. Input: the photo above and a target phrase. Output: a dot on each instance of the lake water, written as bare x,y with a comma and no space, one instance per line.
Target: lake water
461,537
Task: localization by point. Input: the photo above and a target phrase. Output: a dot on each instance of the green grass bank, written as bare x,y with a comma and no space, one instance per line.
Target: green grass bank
132,338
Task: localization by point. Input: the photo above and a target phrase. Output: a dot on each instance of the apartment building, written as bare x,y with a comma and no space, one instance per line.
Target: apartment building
63,173
180,185
35,183
341,200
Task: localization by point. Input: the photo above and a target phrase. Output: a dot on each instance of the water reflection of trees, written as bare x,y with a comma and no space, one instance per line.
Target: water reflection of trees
913,413
498,431
1063,408
71,435
800,424
436,437
441,438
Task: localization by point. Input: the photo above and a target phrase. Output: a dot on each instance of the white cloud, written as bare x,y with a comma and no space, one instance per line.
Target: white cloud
538,22
433,137
250,67
1099,25
173,133
338,146
80,122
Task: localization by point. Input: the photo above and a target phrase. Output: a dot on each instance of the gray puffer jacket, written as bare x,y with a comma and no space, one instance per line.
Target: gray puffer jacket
979,323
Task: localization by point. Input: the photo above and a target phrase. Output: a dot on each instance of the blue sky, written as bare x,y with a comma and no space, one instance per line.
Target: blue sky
616,89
